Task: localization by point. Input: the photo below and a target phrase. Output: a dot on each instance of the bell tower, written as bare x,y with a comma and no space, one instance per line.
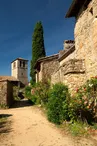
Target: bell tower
19,70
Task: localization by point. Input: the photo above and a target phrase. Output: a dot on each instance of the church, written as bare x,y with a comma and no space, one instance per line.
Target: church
19,72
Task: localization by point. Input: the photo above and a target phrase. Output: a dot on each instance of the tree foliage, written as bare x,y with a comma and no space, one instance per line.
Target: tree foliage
38,49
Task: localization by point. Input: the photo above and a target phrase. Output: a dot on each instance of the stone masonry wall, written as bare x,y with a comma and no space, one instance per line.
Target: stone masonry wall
74,81
48,68
6,93
86,38
71,73
3,92
73,66
56,76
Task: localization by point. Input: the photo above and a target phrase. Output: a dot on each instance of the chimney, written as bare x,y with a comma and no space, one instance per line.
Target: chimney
68,44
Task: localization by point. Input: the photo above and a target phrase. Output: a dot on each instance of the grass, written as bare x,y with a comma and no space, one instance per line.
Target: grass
94,126
16,98
2,120
3,106
79,129
76,129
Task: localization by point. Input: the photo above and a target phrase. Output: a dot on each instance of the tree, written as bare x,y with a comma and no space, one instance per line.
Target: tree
38,49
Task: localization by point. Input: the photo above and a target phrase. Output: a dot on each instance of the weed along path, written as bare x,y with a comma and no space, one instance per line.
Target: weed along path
28,126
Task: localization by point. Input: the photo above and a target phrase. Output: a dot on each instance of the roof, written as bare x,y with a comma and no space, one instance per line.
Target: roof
55,56
76,6
9,78
65,53
19,59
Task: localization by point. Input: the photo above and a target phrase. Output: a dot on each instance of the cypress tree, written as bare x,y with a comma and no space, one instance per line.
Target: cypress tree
38,49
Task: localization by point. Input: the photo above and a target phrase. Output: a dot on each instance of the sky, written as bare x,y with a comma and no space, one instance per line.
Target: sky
17,22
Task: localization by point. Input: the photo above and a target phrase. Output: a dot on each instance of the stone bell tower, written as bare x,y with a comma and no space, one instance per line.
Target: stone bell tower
19,70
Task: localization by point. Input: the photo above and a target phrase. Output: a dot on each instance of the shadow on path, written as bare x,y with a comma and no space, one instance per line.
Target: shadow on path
5,115
22,103
5,123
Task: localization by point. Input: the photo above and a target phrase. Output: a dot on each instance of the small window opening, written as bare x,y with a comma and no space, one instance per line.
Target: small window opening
23,64
22,74
20,63
91,11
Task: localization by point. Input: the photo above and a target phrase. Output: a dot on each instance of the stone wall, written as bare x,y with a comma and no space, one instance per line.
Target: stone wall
86,38
56,76
48,68
71,73
74,81
6,93
73,66
14,67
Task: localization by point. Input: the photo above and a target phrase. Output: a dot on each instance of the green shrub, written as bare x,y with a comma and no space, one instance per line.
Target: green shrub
57,106
83,105
77,110
40,92
15,93
28,94
28,91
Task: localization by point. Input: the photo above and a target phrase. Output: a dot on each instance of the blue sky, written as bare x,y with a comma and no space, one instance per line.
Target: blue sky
17,21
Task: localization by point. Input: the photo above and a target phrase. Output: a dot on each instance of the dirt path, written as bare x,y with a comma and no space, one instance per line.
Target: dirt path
29,127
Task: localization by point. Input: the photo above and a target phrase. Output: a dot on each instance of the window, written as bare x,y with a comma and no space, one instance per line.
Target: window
23,63
20,63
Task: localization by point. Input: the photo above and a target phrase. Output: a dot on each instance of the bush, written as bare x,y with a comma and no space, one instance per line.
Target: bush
15,92
77,110
28,91
42,89
28,94
57,105
38,93
83,105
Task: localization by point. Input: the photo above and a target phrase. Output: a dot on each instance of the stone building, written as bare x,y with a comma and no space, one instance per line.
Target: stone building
19,70
85,32
45,67
71,71
79,62
6,92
